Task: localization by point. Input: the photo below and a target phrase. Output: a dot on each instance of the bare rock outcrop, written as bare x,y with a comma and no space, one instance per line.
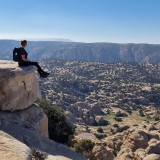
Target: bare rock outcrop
115,142
12,149
50,157
135,143
152,157
84,113
125,154
18,86
101,153
32,118
153,148
140,154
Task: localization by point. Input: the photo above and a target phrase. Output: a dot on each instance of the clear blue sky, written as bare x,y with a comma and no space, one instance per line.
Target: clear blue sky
82,20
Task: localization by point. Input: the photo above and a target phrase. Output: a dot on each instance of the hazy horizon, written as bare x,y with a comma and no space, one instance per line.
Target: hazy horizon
71,41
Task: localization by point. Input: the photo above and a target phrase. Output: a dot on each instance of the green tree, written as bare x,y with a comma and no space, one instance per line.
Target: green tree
83,145
58,125
121,129
100,130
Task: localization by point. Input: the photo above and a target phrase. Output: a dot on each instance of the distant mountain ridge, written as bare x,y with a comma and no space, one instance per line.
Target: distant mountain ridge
50,39
98,52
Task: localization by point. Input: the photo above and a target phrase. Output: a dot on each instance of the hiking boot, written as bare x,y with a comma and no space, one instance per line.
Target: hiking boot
46,73
42,75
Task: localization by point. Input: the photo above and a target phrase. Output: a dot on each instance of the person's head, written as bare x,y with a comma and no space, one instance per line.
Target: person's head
24,43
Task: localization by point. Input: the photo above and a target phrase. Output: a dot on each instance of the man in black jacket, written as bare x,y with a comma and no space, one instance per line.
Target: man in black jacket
23,61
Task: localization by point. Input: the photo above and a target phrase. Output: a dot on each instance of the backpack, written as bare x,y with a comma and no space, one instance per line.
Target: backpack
16,54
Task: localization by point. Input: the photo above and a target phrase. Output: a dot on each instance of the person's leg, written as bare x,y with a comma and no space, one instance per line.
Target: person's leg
39,69
26,63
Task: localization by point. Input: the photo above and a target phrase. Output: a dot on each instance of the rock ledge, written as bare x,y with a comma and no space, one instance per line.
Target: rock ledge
18,86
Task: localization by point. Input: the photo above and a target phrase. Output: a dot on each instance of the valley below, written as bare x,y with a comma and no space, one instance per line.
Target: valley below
115,105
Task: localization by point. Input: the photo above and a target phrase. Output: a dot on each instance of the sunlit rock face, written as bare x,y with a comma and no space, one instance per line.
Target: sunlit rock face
23,124
18,86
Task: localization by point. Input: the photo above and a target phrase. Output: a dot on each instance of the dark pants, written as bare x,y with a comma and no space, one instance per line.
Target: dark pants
25,63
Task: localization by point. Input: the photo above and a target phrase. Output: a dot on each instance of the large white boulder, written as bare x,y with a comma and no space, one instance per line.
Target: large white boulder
32,117
12,149
18,86
30,126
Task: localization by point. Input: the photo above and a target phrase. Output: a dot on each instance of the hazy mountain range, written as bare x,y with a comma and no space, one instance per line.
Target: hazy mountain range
49,39
98,52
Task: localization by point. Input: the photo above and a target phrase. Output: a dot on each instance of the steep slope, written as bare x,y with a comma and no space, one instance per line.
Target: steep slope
24,126
98,52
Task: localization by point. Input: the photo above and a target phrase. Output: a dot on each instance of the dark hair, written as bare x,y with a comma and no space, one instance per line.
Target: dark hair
23,42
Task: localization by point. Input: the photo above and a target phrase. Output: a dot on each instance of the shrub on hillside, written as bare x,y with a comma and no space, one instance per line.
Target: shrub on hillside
121,129
129,111
100,136
59,126
112,131
118,119
100,130
38,155
141,113
83,146
157,118
87,129
115,125
101,123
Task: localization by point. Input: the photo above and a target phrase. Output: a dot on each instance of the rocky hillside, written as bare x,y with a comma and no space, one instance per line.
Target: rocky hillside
115,105
98,52
124,85
24,125
135,143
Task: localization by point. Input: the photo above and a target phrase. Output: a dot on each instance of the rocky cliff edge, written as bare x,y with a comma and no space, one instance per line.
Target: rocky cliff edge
23,124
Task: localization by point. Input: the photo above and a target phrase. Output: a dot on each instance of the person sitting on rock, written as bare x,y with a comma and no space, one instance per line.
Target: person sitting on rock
23,61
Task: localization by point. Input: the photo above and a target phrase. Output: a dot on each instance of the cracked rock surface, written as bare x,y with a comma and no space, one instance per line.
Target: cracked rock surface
18,86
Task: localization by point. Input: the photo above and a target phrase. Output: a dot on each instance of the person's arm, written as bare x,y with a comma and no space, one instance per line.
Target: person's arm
24,59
